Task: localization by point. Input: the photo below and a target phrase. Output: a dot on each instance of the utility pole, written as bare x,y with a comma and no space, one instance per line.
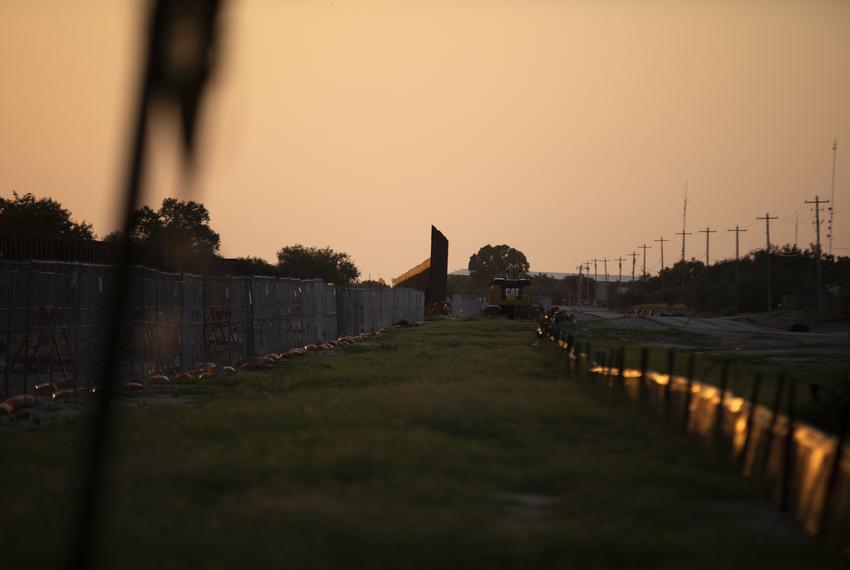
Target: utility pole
620,260
661,240
605,267
737,231
767,217
818,262
644,247
595,281
587,265
707,231
578,285
796,227
684,231
830,227
634,260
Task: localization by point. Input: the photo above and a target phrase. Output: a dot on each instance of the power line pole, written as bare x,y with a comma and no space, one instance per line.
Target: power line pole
707,231
620,260
831,227
644,247
818,263
796,227
605,266
737,231
578,285
595,282
661,240
767,217
634,260
684,231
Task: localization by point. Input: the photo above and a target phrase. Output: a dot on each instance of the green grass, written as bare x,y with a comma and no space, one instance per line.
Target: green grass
454,445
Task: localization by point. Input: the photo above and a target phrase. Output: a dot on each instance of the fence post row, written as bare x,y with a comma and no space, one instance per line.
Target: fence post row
756,449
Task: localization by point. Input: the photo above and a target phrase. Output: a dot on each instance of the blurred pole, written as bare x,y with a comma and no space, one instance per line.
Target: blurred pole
178,76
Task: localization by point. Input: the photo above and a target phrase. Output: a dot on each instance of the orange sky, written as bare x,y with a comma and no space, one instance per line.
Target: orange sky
566,129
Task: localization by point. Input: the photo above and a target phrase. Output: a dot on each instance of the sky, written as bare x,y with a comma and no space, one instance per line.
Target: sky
566,129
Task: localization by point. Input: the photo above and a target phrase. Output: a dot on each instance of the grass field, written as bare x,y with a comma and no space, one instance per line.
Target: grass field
452,445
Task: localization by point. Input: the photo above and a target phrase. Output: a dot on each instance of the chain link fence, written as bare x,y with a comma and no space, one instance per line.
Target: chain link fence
53,319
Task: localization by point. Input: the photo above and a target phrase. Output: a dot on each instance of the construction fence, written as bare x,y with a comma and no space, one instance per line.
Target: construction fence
468,305
54,319
806,470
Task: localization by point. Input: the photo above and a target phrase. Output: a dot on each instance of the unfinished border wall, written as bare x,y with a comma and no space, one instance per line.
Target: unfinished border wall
54,321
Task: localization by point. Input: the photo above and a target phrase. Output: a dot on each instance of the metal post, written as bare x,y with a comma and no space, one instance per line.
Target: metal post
644,365
671,361
754,395
836,466
768,438
721,406
10,308
788,459
686,412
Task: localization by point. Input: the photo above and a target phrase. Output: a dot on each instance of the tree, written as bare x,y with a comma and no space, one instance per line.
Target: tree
373,284
26,213
313,263
493,261
181,228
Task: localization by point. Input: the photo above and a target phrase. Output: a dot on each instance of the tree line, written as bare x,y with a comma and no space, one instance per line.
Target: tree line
182,228
724,287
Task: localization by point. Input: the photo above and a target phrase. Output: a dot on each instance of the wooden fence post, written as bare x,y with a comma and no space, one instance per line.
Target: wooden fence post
836,467
788,459
721,407
768,439
644,365
686,412
754,396
671,361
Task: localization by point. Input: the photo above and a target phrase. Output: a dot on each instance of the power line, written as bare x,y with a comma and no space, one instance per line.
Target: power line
707,231
661,241
644,247
737,231
620,261
830,227
818,265
767,217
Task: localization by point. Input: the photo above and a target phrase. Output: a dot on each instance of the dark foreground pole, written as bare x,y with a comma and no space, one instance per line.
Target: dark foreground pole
165,74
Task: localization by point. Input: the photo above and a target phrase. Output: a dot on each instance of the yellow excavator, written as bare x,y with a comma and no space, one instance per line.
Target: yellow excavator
511,296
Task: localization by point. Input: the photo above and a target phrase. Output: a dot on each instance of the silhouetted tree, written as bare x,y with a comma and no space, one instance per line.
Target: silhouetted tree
181,228
313,263
493,261
30,214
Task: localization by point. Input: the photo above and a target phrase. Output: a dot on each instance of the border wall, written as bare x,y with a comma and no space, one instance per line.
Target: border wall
54,321
468,305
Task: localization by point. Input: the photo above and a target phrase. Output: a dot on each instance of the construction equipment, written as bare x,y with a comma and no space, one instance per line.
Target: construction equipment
511,296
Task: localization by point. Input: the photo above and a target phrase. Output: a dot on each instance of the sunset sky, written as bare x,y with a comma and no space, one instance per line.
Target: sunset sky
565,129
